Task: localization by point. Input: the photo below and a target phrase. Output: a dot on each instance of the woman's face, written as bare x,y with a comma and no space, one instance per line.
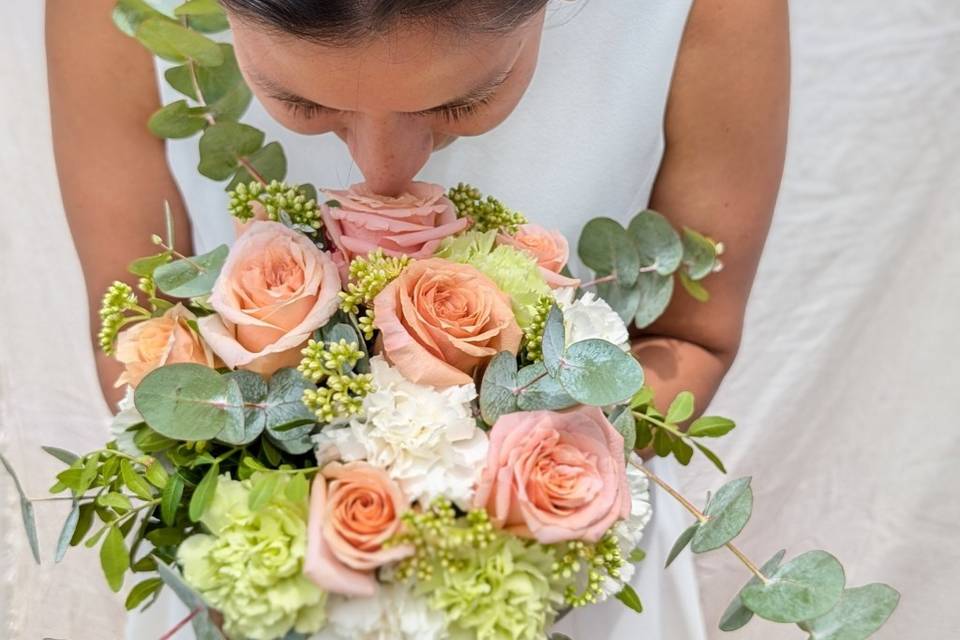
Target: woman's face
396,98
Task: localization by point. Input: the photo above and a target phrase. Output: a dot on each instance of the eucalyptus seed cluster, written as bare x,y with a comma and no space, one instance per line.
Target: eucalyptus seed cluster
368,277
340,396
601,560
117,301
275,198
440,538
486,213
533,334
322,360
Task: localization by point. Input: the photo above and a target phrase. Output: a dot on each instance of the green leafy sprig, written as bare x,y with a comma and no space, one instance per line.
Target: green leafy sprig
486,213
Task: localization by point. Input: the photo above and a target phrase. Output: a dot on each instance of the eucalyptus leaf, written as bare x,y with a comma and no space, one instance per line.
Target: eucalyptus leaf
497,395
114,558
26,511
681,408
624,300
270,163
860,612
728,513
711,427
177,120
606,248
253,389
626,425
655,292
599,373
191,277
64,456
629,597
203,626
656,241
807,587
681,543
284,405
554,340
199,8
695,289
222,146
536,390
221,88
294,446
737,615
176,43
699,254
144,267
189,402
129,14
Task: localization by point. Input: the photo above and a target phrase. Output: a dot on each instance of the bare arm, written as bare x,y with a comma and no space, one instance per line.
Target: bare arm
113,173
726,136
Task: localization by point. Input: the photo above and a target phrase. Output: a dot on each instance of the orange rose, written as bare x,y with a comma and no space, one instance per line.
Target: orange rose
351,518
154,343
549,248
442,320
275,289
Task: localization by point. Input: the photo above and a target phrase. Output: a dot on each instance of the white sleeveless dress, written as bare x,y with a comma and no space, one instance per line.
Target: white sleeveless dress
586,140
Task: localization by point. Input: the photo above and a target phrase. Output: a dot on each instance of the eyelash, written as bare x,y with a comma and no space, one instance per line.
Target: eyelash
450,114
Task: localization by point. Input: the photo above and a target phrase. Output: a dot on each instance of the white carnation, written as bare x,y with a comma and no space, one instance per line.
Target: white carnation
426,439
591,317
629,532
394,613
127,416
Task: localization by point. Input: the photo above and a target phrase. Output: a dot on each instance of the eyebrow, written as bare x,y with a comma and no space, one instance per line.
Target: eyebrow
480,93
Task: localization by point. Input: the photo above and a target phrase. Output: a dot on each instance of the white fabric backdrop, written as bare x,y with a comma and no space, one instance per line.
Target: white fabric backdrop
842,388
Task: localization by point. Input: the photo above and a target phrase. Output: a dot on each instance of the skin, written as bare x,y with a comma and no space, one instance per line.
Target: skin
388,99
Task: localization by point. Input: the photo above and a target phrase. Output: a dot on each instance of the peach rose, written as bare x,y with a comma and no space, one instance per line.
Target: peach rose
412,224
555,476
549,248
275,289
154,343
442,320
355,509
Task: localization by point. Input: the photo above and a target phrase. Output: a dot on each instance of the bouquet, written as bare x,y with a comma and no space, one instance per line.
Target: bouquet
397,417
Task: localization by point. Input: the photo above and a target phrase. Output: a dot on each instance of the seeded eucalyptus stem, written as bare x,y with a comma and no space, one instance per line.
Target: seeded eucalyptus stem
701,517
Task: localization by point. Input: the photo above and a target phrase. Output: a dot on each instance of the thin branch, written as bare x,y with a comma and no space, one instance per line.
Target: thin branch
193,614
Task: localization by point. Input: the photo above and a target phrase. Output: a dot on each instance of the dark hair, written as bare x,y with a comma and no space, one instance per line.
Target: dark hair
334,22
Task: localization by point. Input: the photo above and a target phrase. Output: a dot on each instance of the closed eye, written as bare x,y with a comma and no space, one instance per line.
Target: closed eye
304,108
457,112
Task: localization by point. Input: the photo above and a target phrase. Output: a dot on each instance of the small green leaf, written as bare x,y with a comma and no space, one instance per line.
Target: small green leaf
297,488
497,395
630,598
656,241
95,538
559,636
655,292
644,435
695,289
699,255
141,591
681,408
662,442
166,537
204,493
737,615
710,427
115,501
64,456
860,612
129,14
711,456
26,510
270,162
191,277
263,490
189,402
270,452
681,543
170,41
554,340
641,397
682,451
599,373
198,8
637,555
114,558
728,513
606,248
170,499
144,267
84,522
135,481
223,144
807,587
149,441
177,120
157,475
536,390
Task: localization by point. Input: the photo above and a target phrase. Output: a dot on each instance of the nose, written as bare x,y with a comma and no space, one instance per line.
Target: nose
390,150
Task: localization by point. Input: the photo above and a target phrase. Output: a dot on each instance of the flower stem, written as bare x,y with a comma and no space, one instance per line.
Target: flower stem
180,625
699,515
603,280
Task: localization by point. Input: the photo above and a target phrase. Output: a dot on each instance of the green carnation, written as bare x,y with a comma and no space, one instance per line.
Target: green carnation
514,272
250,565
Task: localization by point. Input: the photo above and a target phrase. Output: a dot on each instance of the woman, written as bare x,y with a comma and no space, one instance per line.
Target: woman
580,108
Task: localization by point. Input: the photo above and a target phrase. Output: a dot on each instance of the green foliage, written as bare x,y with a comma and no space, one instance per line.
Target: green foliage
736,614
629,597
141,591
220,90
727,514
805,588
654,292
68,531
269,163
699,255
129,14
599,373
189,402
682,542
224,145
293,206
497,389
626,425
860,612
553,342
488,213
369,275
118,308
114,558
656,241
607,249
191,277
203,625
26,511
177,120
171,41
533,332
537,390
203,495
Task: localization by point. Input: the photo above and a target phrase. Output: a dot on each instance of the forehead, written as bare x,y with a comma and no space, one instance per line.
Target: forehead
408,69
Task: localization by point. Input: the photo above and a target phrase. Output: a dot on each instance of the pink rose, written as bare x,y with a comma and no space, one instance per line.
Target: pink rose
412,224
555,476
549,248
442,320
156,342
275,289
351,518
